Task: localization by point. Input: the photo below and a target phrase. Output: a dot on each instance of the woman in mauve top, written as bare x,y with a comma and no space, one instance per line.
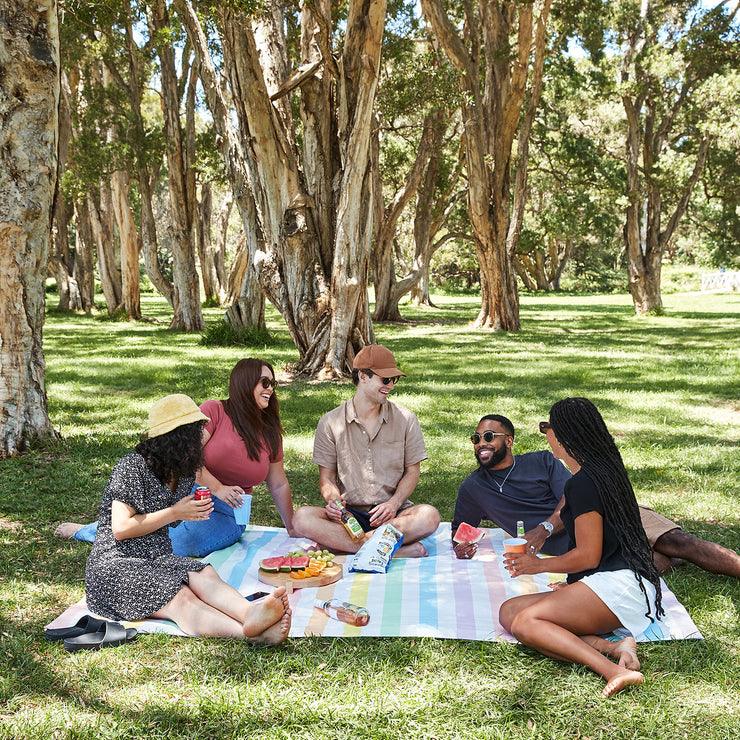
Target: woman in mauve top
243,448
612,580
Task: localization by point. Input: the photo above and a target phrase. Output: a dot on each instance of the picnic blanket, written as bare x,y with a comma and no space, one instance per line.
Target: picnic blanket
437,596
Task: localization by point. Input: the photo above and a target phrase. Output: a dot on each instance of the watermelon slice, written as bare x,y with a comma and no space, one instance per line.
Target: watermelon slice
272,565
299,563
466,533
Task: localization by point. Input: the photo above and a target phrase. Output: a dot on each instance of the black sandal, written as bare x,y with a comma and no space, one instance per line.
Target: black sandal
110,634
85,624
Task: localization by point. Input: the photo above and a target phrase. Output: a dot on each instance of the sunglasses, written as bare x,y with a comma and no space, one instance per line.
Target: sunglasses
486,436
267,382
385,381
544,426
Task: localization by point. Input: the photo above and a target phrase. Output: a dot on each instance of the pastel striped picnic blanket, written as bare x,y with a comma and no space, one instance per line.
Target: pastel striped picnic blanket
437,596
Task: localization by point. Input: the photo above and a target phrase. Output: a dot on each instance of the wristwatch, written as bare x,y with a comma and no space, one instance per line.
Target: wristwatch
548,528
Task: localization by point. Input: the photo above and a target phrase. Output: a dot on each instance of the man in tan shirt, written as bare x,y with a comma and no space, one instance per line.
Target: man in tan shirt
369,452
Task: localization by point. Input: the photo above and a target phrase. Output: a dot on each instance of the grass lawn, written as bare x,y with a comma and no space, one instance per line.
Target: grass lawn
668,387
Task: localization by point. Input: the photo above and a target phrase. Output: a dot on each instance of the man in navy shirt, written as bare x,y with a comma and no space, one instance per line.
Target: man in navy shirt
506,489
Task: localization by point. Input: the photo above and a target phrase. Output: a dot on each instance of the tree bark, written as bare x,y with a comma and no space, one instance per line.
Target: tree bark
84,255
29,99
389,291
181,180
128,238
101,220
313,223
651,117
501,44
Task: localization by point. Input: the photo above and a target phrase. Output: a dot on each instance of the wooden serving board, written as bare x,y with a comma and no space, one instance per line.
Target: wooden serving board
331,574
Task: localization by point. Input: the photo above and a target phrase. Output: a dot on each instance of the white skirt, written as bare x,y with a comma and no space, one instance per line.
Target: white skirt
620,591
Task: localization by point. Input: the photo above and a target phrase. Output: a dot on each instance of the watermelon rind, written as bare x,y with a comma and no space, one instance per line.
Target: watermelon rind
272,565
467,534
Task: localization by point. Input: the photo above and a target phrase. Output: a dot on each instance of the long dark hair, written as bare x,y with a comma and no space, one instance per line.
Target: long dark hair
579,427
257,427
176,454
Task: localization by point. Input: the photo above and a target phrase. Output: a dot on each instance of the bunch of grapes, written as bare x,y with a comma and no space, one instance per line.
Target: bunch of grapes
323,556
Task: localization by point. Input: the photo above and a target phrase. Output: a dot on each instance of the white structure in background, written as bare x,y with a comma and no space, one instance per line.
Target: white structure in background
723,280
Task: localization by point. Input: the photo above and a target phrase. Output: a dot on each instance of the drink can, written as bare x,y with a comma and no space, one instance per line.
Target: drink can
202,492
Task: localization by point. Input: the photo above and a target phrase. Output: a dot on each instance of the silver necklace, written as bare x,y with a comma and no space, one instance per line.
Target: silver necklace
501,485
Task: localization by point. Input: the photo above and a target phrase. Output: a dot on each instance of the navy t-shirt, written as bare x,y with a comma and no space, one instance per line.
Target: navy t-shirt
582,497
530,493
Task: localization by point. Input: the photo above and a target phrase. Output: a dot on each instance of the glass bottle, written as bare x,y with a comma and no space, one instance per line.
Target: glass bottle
520,529
344,611
351,524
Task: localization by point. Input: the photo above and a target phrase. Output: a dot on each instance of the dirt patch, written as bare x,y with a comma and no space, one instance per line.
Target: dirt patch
8,525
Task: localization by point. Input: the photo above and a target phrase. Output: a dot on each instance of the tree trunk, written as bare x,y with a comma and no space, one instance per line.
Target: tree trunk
124,216
388,292
181,179
101,219
313,226
205,245
29,98
430,215
651,118
219,249
500,47
84,255
61,261
146,175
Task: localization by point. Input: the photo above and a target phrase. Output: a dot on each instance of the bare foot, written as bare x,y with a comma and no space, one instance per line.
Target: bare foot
414,550
622,681
66,530
265,612
274,634
626,653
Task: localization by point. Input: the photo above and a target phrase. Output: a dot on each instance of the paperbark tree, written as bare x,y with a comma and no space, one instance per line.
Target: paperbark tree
499,58
667,53
388,290
434,204
29,97
180,175
313,203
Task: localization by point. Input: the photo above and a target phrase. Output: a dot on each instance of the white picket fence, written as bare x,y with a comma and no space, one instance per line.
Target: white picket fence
723,280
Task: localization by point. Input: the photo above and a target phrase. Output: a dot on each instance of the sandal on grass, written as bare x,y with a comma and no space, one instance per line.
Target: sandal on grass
110,634
84,624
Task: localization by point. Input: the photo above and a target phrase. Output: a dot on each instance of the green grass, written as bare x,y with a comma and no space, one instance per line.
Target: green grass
668,387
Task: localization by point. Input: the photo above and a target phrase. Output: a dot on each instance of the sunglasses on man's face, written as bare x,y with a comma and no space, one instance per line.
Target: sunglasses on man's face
486,437
544,426
267,382
385,381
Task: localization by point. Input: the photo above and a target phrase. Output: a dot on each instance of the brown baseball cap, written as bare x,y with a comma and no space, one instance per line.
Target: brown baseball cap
377,358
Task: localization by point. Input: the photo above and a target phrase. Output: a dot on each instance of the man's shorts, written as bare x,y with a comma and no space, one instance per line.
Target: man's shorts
363,517
654,524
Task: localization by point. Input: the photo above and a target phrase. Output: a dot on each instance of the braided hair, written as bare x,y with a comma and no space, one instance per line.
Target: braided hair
581,430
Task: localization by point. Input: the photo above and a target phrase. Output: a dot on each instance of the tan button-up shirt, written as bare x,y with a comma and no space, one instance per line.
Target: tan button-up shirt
369,462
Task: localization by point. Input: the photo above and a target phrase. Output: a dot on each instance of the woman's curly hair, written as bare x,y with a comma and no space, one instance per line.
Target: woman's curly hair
176,454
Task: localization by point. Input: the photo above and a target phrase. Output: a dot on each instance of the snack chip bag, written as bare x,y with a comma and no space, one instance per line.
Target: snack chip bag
375,555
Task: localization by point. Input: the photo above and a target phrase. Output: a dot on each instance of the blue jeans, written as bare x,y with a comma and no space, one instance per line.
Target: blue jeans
193,539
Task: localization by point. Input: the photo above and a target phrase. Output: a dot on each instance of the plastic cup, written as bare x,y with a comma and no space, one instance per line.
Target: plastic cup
242,513
515,544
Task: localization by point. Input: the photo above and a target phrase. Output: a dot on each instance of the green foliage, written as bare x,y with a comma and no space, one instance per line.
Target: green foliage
223,334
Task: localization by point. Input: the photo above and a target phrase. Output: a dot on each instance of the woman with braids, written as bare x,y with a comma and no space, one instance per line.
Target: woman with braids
612,581
243,448
132,573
